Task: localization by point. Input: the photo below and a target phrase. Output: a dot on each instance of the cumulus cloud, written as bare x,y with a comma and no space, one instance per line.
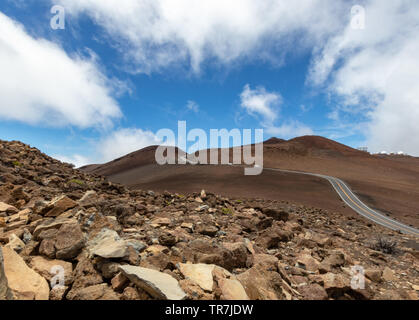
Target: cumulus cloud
159,33
41,84
266,106
261,102
373,73
124,141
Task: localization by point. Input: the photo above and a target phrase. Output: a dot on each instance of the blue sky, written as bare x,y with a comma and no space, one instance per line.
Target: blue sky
122,70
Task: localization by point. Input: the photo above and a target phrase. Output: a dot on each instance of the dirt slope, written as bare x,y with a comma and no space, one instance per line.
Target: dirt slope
387,183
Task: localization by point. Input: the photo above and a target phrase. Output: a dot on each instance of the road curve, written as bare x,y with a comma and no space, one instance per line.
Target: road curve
357,205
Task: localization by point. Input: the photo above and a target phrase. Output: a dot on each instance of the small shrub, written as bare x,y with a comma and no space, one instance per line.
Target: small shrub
76,181
385,245
17,164
227,211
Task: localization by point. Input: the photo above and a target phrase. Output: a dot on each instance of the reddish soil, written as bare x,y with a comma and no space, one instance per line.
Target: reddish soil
387,183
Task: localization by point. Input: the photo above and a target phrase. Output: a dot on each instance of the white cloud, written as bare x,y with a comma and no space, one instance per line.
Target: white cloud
266,105
76,159
374,73
159,33
41,84
192,106
261,102
124,141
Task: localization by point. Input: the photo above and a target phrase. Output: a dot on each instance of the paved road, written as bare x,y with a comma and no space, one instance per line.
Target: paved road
357,205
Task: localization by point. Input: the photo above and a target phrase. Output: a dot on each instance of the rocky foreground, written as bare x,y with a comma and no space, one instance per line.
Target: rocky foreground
68,235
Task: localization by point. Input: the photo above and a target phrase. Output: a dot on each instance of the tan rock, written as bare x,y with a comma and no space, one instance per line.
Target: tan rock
260,284
308,263
313,292
20,216
249,246
107,244
47,248
388,274
188,226
57,293
373,275
24,282
69,242
96,292
161,221
5,293
158,284
14,225
59,205
119,281
157,249
4,207
334,281
199,273
51,224
232,290
48,268
15,243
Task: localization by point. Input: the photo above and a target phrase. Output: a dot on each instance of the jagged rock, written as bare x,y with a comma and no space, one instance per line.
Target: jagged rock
238,251
205,229
200,273
373,275
47,248
167,239
96,292
272,237
260,284
335,284
279,215
313,292
85,274
46,268
5,292
232,289
159,285
57,293
69,241
335,259
24,283
307,262
58,206
119,281
88,199
109,269
388,274
50,224
8,209
15,243
130,293
108,244
265,261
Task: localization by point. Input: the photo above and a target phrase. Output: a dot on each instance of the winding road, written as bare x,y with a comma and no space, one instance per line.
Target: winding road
357,205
